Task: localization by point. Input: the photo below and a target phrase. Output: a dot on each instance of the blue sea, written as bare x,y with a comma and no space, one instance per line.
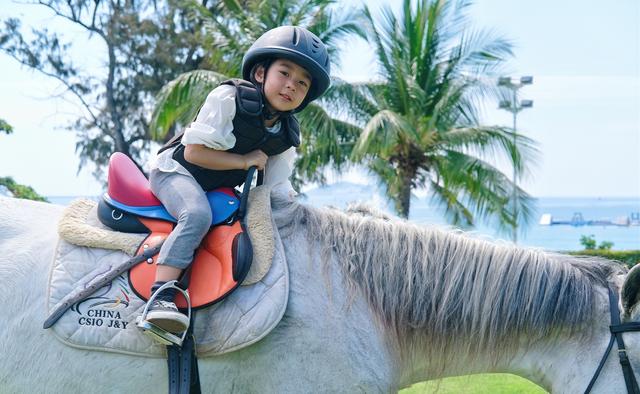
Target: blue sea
554,237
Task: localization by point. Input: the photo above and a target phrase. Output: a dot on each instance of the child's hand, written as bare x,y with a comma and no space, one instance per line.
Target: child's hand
255,158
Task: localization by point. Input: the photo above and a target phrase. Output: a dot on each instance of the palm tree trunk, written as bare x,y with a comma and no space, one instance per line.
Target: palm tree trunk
404,198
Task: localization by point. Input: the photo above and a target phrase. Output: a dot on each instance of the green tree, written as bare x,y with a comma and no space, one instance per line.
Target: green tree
17,190
143,44
231,27
605,245
588,241
419,118
5,127
20,191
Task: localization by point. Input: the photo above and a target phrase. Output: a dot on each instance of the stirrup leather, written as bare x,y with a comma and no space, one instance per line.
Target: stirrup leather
156,333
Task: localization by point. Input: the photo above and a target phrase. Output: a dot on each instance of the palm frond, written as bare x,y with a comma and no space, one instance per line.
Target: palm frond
175,102
233,6
334,27
381,51
494,142
327,141
481,51
380,135
351,101
447,197
484,189
389,179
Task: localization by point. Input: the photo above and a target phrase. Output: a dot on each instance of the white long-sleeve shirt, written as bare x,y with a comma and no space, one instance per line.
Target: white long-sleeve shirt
213,128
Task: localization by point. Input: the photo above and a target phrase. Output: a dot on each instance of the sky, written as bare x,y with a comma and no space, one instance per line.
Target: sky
584,57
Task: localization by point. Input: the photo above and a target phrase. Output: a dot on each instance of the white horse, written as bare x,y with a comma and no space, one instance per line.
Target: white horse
376,304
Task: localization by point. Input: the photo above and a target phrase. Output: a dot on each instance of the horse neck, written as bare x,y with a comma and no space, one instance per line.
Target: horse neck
567,364
558,364
415,294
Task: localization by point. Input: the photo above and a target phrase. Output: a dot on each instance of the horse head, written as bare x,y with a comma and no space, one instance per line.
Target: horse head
625,321
630,295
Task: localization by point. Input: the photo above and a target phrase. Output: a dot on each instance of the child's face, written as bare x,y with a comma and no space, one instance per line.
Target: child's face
286,86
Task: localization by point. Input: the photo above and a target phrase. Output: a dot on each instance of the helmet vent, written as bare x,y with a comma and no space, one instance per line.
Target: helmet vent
295,38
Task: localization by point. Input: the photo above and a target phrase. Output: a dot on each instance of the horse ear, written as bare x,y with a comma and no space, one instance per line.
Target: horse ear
629,293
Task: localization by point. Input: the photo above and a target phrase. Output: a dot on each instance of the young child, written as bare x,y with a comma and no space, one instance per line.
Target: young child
242,123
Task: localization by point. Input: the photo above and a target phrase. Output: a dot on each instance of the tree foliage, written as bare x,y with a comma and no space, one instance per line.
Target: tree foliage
418,120
416,125
141,44
231,27
5,127
589,243
20,191
17,190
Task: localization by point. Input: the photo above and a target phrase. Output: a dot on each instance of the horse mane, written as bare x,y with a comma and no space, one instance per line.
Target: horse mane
442,290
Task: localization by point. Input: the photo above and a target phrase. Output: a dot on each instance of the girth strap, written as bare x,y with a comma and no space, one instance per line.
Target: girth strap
184,377
617,329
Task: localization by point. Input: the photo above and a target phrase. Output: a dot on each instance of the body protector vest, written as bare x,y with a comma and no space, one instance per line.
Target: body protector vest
250,133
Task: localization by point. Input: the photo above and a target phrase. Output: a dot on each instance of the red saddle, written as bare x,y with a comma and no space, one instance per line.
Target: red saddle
221,261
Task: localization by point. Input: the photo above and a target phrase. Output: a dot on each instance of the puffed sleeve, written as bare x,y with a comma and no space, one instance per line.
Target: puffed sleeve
278,170
214,124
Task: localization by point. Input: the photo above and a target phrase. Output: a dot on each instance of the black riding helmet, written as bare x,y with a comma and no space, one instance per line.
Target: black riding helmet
298,45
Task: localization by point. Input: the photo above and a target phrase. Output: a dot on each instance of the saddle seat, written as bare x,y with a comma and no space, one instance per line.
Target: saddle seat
127,184
129,197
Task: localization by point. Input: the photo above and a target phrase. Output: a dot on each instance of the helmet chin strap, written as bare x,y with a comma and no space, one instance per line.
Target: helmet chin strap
268,114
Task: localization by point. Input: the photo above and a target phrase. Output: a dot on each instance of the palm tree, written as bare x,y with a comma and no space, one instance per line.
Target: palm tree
231,27
418,120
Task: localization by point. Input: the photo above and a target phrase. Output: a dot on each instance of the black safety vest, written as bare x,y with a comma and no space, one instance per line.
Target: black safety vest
250,133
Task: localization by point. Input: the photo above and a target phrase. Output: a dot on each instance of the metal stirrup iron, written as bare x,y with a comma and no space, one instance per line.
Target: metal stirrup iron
157,333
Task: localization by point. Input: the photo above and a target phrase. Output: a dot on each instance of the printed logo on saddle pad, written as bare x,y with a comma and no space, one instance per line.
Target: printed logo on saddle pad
105,309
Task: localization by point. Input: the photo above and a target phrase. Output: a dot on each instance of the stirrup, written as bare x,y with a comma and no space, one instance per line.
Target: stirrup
156,333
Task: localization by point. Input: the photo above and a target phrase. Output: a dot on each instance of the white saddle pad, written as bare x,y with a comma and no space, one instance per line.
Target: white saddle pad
106,320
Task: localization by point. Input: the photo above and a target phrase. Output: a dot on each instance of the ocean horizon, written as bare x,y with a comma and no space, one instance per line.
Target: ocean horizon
549,237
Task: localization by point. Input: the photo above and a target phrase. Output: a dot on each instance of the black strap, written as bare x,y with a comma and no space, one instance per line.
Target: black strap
242,209
627,370
602,362
617,329
625,327
184,376
173,364
260,180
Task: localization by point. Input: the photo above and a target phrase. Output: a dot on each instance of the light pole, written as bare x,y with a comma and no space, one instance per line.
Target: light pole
514,106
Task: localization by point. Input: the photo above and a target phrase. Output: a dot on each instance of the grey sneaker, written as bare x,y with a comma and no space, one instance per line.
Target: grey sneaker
166,316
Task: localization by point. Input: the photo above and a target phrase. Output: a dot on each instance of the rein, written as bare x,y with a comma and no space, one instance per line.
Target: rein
617,329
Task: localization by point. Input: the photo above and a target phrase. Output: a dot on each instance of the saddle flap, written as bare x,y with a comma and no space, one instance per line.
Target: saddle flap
212,276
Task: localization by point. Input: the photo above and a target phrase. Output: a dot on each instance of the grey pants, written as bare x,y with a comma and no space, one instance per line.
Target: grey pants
185,200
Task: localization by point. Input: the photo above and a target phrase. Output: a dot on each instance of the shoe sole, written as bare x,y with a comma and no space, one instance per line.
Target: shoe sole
168,321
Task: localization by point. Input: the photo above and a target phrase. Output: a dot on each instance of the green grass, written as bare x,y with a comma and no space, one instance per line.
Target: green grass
476,384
